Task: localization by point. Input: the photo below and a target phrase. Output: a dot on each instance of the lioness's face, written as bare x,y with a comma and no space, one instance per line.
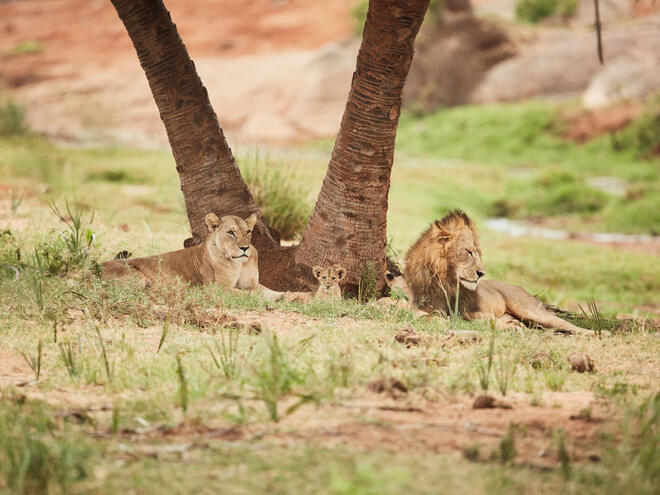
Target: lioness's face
231,236
466,256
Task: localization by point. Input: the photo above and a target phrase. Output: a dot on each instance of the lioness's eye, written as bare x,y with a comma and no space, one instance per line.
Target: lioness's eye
333,278
469,252
231,233
248,232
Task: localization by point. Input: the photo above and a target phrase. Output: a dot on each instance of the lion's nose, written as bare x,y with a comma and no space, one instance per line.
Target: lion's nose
245,248
480,273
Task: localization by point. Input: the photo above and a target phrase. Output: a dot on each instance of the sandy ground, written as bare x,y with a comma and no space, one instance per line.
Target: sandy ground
273,68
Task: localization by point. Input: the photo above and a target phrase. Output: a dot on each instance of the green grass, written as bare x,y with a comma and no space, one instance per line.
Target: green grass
172,386
510,160
27,47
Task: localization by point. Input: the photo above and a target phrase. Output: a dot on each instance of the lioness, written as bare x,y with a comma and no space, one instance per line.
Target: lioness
226,257
329,279
447,256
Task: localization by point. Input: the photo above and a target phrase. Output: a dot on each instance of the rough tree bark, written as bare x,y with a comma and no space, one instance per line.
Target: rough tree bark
348,225
210,179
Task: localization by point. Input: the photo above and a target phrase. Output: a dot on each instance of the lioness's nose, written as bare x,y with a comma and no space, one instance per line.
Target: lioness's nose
245,248
480,273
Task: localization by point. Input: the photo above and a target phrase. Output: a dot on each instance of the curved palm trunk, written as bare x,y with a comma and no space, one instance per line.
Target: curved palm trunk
210,179
348,226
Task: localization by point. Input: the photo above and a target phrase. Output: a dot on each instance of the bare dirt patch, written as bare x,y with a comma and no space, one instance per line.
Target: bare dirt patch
13,369
81,79
583,125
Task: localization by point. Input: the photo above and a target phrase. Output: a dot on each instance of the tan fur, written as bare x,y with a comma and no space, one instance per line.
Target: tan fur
329,280
226,257
400,295
446,261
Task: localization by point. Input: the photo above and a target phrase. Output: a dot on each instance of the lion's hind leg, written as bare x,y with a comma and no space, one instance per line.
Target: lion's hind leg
526,307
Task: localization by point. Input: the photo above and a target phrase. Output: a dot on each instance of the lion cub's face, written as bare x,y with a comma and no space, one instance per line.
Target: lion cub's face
230,237
329,279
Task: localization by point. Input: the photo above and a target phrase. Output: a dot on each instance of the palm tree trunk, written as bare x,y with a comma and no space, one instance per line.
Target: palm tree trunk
210,179
348,226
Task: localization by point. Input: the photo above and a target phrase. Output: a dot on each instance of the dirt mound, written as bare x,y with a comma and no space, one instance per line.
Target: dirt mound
583,125
451,59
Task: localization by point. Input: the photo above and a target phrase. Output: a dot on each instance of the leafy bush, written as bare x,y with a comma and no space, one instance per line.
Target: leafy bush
12,119
279,192
536,10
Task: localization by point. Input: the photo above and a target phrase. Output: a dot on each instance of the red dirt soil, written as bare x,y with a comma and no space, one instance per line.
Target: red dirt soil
89,31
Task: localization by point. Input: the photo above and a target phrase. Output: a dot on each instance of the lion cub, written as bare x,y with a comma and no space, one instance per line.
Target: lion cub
329,279
226,257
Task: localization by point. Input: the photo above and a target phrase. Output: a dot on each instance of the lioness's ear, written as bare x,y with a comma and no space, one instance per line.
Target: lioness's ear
251,220
441,231
317,270
341,272
212,222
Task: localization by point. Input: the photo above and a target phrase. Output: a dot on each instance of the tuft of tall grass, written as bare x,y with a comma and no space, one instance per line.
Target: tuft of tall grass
275,377
595,319
34,362
183,384
279,192
227,355
484,370
68,355
12,119
109,368
37,454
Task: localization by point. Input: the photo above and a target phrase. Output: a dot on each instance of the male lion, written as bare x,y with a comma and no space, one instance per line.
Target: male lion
447,256
226,257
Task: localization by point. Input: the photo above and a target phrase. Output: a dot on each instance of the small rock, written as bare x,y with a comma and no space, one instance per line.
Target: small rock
581,362
388,385
489,402
464,336
484,402
541,360
408,336
254,328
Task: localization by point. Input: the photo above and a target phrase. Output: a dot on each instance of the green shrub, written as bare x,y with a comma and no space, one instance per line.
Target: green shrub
643,135
12,119
279,192
537,10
